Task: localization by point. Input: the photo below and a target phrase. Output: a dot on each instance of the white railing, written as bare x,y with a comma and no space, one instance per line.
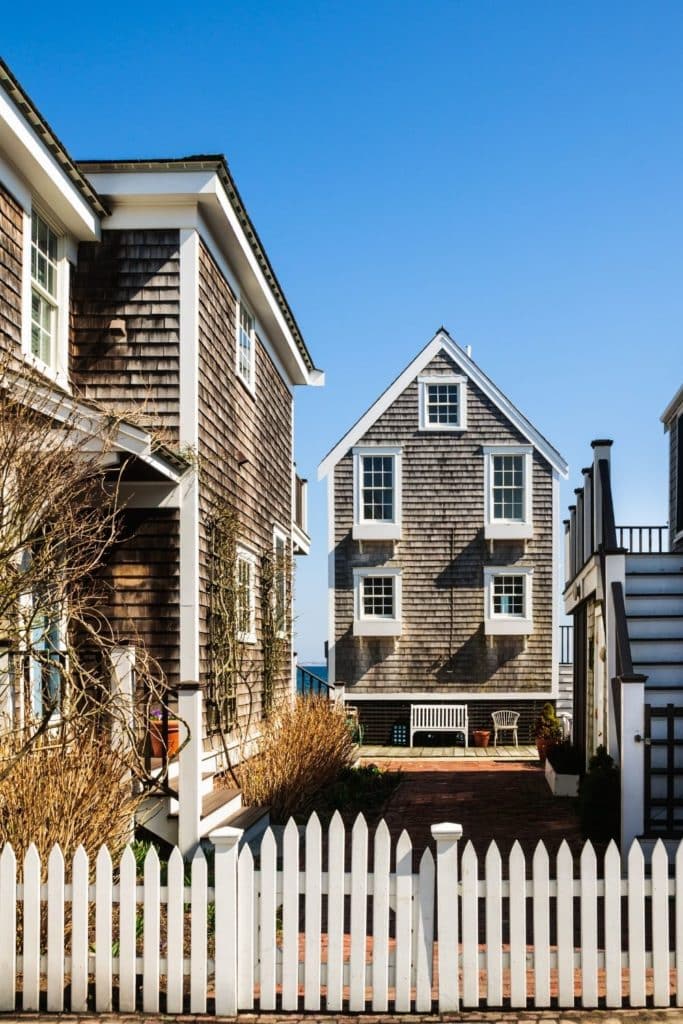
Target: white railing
529,933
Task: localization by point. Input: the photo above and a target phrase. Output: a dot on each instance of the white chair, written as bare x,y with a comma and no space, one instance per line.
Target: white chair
503,720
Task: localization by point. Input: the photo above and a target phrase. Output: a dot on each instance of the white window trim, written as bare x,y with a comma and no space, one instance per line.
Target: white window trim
448,378
59,372
371,529
250,384
280,534
508,625
497,529
366,625
246,555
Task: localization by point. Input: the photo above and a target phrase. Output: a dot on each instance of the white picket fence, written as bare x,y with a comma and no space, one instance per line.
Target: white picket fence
283,932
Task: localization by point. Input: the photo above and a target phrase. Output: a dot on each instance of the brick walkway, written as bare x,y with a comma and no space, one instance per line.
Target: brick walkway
494,799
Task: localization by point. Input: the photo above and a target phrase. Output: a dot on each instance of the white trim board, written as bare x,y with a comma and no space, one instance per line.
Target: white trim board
443,342
457,696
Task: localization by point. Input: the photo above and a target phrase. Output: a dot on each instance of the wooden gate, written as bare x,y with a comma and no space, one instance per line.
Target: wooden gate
663,776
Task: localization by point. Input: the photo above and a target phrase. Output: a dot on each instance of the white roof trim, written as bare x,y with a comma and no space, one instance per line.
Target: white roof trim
672,408
442,341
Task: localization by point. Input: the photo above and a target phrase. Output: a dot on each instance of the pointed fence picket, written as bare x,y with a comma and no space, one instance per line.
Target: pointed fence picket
277,932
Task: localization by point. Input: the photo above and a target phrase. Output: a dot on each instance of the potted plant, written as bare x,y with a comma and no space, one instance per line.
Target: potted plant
156,734
563,767
548,731
481,737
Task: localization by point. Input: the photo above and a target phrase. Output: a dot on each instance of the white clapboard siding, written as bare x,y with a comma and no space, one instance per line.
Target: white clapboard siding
258,933
470,926
290,917
380,919
359,905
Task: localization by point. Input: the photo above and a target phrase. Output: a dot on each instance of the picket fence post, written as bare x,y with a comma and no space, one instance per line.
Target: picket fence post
446,835
225,841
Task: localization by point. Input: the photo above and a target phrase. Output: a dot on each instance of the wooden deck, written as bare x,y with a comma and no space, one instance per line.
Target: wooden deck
523,752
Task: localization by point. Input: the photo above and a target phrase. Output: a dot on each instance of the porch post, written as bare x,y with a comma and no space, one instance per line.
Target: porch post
615,572
632,760
123,695
189,767
446,836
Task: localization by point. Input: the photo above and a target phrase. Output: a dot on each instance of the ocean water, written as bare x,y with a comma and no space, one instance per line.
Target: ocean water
318,670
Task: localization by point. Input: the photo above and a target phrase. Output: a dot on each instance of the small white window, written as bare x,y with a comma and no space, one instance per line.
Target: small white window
46,296
508,496
443,403
246,346
281,564
245,595
507,595
377,602
377,493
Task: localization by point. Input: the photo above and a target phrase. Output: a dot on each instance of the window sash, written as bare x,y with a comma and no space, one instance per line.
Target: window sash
377,597
245,341
377,489
443,404
509,596
508,488
244,602
280,584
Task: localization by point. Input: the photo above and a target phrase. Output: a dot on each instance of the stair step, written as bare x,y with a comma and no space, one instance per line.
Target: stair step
654,604
216,800
657,650
656,628
660,674
661,562
654,583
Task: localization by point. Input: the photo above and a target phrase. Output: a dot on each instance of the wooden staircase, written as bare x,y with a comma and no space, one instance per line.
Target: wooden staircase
654,613
221,806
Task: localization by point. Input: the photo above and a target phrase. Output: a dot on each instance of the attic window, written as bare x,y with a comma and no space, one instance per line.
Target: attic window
443,402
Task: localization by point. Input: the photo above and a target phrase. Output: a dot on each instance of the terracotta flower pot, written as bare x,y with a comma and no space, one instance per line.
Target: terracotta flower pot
543,746
481,737
157,738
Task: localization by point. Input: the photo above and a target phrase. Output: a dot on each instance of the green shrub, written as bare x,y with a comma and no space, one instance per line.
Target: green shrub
600,798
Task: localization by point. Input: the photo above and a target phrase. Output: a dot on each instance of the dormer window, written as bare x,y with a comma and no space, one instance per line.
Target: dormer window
443,402
507,499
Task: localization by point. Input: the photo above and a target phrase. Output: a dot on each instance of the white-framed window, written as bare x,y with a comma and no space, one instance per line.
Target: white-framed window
245,595
46,296
377,493
508,492
377,602
508,600
281,564
443,402
246,345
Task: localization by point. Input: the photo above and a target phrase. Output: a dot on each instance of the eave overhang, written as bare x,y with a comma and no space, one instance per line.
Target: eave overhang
205,185
37,156
673,408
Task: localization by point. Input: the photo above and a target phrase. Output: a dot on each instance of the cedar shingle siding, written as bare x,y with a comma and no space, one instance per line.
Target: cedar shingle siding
133,276
442,554
235,426
11,246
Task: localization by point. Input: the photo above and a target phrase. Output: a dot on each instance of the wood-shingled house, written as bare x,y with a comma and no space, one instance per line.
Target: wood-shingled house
443,513
161,301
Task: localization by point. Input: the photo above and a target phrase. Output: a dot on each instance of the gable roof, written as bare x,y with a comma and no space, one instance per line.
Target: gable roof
442,341
672,408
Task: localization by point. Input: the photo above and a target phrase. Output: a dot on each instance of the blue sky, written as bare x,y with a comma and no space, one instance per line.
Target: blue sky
511,170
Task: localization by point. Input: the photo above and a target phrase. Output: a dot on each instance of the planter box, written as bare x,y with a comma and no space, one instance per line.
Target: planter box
561,785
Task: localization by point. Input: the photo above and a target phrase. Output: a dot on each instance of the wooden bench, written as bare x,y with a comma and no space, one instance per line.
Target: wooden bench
438,718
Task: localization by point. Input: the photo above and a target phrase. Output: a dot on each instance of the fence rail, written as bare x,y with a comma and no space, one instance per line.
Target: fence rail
288,934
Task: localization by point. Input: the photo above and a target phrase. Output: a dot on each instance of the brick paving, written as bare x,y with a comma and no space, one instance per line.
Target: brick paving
492,798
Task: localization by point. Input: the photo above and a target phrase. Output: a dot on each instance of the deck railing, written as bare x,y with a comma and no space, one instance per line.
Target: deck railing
566,645
308,684
643,540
